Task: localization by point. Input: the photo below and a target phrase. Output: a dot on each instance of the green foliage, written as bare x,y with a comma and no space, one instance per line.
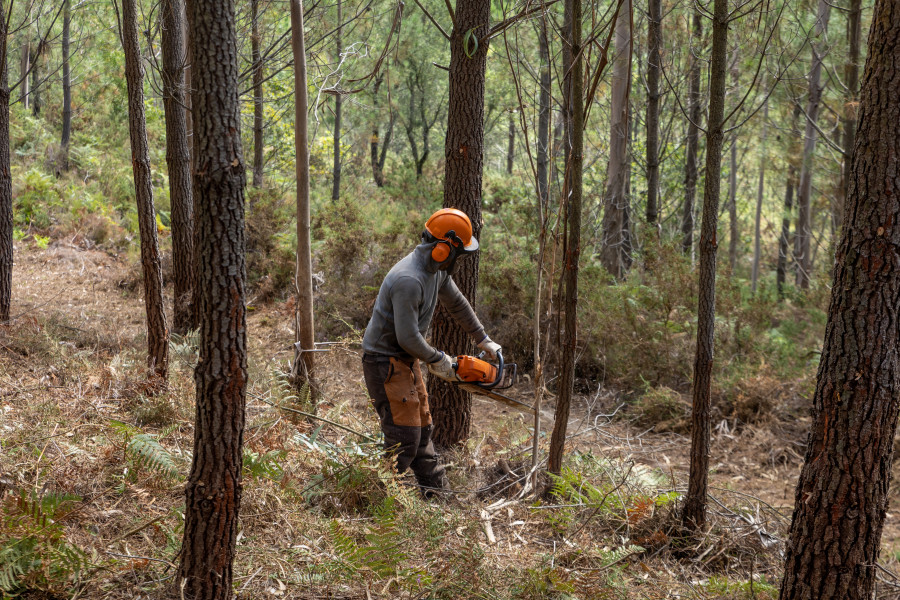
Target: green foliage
146,451
34,553
720,586
264,464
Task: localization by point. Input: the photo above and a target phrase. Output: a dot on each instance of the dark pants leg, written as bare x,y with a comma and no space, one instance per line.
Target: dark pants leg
398,393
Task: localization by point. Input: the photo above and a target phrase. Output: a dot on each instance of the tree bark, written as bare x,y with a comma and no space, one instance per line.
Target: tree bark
67,90
258,73
376,157
813,103
511,145
464,157
851,77
543,132
24,70
213,489
734,234
157,330
34,64
304,323
693,516
754,275
615,241
784,242
338,101
842,494
693,138
573,107
654,40
6,210
178,159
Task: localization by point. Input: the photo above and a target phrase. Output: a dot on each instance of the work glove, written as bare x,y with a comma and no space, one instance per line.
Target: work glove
443,368
491,347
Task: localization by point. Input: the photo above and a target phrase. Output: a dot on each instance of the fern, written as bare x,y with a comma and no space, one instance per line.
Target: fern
381,554
148,452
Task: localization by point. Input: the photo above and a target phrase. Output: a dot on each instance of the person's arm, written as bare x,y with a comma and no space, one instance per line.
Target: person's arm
460,309
406,297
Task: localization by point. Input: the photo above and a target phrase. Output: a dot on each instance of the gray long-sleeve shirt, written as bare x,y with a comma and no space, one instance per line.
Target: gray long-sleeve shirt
405,306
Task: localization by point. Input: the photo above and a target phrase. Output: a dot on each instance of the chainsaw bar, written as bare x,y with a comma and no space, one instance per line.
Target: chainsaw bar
480,391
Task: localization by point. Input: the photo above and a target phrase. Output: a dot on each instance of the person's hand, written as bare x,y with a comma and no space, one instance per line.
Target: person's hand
491,347
443,368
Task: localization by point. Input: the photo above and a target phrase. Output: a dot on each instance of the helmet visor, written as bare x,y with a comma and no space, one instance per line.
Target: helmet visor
471,247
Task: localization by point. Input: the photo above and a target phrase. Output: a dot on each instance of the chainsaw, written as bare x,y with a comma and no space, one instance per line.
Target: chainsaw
478,376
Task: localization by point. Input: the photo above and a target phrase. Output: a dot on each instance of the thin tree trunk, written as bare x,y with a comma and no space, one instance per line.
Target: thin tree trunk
732,208
654,40
338,101
615,242
464,158
511,145
543,132
178,159
694,512
67,91
754,276
24,70
258,73
784,242
573,105
34,63
157,330
6,210
813,104
378,162
693,138
843,491
304,323
213,489
851,78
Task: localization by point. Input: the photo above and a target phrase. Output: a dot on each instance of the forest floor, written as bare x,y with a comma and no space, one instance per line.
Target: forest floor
91,460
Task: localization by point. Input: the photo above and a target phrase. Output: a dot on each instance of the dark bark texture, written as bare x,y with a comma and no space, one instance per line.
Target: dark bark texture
851,79
213,489
693,515
464,157
654,39
178,158
573,106
693,138
6,210
157,329
842,494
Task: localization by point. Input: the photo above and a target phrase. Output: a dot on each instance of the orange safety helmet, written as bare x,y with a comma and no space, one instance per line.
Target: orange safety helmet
450,226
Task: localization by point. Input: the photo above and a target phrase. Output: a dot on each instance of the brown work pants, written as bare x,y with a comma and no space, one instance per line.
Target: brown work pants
398,394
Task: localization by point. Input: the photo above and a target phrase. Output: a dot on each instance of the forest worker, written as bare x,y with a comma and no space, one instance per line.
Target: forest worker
394,342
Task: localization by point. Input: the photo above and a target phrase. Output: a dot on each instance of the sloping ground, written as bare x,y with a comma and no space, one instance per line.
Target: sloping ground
92,464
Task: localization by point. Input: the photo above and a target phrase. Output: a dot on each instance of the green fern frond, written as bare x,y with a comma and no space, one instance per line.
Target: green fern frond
148,452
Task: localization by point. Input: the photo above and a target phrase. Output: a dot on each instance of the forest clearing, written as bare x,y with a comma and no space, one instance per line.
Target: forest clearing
259,338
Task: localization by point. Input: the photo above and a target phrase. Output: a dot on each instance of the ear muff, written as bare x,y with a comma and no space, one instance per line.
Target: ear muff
441,251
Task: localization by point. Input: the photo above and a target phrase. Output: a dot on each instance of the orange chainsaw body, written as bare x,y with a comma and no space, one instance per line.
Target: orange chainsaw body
474,370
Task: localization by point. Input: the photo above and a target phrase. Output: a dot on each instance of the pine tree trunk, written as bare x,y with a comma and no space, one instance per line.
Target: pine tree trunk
6,210
34,63
67,90
543,132
157,330
451,408
851,79
754,275
734,235
784,242
615,241
24,70
377,173
304,323
511,145
573,107
654,39
694,512
813,104
178,158
842,494
338,101
213,489
693,138
257,95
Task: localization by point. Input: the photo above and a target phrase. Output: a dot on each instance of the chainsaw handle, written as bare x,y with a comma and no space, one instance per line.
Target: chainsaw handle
499,377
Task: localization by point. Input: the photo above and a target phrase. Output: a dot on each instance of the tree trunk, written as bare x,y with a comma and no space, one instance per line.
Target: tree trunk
451,408
304,323
338,101
511,146
615,242
178,158
754,275
6,210
732,208
693,138
813,103
543,132
24,70
694,512
213,489
157,330
257,95
784,242
573,107
851,77
842,494
376,160
67,90
34,63
654,40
